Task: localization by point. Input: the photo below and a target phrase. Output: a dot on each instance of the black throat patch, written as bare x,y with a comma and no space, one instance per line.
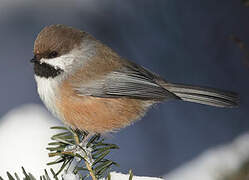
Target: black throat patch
46,70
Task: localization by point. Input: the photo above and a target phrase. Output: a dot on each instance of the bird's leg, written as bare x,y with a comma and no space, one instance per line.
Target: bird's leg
86,139
80,146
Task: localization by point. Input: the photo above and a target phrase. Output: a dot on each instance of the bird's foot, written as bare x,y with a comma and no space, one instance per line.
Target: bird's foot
80,151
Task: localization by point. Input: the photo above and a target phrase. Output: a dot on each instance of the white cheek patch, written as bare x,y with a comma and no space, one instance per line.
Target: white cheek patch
75,58
62,62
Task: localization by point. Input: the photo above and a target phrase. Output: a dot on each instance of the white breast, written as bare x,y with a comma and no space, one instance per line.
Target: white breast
69,63
48,92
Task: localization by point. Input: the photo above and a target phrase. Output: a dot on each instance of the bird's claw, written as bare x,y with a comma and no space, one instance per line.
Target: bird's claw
79,151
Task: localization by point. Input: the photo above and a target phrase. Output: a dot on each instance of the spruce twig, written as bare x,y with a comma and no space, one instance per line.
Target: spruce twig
66,146
89,167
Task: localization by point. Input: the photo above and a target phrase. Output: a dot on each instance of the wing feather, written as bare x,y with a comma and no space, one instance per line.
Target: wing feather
131,81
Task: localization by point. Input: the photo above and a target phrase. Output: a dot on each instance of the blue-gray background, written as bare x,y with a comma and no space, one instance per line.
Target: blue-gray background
183,41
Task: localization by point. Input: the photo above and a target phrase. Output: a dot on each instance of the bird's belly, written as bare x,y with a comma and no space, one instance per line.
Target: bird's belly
100,115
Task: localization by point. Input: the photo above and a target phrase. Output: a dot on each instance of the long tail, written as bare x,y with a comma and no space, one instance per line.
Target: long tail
203,95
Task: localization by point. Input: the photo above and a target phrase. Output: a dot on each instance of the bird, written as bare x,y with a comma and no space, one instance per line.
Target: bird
91,88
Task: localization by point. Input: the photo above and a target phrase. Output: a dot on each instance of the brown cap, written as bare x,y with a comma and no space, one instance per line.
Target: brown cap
59,38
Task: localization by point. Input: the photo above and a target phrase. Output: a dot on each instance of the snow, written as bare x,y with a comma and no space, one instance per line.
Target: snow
215,163
25,133
70,176
120,176
114,176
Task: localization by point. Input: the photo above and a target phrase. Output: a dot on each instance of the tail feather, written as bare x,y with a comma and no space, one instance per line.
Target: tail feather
204,95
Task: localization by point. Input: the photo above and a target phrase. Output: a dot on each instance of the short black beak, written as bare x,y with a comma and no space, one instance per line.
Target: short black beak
34,60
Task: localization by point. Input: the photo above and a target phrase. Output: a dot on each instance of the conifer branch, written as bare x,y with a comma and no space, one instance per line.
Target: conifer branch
67,148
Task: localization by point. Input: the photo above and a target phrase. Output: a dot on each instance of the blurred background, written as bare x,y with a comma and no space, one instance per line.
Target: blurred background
194,42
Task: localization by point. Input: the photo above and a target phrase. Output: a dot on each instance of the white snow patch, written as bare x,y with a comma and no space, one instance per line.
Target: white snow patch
120,176
215,163
24,135
70,176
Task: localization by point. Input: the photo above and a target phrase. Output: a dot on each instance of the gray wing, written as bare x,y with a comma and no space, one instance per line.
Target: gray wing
131,81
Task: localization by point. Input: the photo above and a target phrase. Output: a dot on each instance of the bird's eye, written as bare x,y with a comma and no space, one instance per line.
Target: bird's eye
53,54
